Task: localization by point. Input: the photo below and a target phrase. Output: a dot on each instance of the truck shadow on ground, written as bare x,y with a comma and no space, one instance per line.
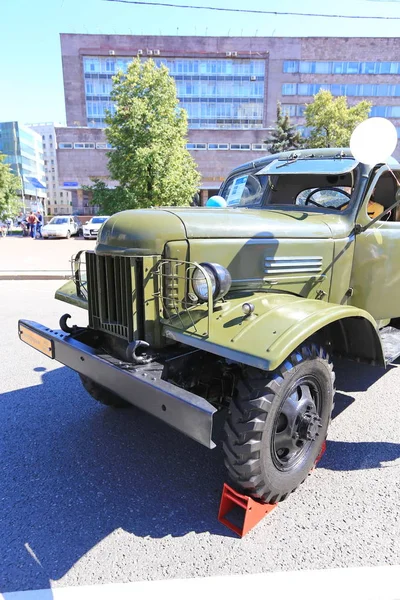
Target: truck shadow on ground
74,472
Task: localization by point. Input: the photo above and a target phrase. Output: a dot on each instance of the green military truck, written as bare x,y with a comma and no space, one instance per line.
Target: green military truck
198,315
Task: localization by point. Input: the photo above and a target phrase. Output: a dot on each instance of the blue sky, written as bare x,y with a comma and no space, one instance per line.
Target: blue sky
30,67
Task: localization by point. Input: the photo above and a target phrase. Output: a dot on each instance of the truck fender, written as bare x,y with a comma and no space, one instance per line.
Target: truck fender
279,324
68,293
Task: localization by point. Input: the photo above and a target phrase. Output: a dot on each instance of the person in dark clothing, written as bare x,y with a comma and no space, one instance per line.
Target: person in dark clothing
39,224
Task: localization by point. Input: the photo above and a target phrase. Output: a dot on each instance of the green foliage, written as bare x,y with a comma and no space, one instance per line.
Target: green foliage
332,121
285,136
10,204
110,200
148,135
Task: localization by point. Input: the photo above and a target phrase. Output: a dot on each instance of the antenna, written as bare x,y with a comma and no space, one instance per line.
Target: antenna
255,35
229,31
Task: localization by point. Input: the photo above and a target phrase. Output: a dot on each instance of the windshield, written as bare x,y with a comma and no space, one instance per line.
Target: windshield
58,221
98,220
313,184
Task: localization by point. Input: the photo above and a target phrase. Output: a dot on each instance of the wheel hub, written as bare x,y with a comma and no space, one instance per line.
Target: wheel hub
308,425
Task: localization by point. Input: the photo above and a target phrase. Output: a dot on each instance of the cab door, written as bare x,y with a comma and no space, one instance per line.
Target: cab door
375,280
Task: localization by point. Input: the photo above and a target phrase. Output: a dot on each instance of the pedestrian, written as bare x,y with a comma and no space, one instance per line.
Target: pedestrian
3,229
32,220
8,224
39,223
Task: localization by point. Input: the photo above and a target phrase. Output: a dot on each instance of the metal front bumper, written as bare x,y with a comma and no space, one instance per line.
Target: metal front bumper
190,414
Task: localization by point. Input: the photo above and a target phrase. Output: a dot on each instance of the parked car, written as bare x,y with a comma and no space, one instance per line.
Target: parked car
91,228
62,227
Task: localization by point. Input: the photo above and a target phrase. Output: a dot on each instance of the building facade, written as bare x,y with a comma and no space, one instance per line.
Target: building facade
59,200
24,153
229,86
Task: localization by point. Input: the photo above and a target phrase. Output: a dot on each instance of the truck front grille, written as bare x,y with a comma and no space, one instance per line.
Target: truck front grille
113,305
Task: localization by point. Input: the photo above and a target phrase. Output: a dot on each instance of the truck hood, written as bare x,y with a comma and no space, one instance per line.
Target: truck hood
139,232
147,231
206,223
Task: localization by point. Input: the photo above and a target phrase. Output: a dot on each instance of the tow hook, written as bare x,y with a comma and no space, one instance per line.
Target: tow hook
66,328
131,355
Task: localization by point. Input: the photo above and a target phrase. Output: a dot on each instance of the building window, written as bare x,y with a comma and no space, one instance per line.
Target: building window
240,146
54,186
45,162
44,145
55,201
84,146
61,194
196,146
50,137
291,66
65,146
217,93
341,67
263,147
218,146
289,89
103,146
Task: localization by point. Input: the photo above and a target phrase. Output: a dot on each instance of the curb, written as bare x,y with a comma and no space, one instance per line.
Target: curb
34,275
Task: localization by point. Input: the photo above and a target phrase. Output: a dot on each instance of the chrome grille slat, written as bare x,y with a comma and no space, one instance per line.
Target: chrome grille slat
292,264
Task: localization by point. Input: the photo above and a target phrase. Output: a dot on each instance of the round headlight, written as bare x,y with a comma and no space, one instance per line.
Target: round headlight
220,280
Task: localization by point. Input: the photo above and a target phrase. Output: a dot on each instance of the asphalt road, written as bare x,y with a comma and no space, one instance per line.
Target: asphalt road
92,495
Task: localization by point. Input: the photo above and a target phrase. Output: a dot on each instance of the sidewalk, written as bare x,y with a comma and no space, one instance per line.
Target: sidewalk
25,258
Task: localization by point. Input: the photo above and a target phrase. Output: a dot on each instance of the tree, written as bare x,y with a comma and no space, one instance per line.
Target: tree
148,134
10,204
285,136
332,121
110,200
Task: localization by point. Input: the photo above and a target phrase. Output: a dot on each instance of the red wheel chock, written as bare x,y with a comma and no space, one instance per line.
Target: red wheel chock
232,502
246,512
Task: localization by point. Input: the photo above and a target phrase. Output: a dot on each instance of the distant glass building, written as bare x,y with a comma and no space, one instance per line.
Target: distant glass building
24,153
219,93
59,200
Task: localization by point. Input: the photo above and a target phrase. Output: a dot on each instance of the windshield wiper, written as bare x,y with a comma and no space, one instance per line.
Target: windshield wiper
291,159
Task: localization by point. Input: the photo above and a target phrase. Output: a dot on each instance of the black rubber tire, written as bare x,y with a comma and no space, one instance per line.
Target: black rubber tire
68,234
249,429
102,394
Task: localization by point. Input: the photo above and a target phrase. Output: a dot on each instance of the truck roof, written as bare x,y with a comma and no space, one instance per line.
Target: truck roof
303,153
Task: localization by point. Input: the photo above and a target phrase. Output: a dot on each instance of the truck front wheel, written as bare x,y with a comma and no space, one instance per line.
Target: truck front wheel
102,394
277,424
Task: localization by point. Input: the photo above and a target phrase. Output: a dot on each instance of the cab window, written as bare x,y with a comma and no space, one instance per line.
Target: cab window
245,190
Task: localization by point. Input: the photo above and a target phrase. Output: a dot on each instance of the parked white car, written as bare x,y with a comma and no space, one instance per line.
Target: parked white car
61,227
91,228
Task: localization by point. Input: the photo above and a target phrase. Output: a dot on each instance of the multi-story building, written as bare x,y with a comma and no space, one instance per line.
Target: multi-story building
24,153
59,200
229,86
